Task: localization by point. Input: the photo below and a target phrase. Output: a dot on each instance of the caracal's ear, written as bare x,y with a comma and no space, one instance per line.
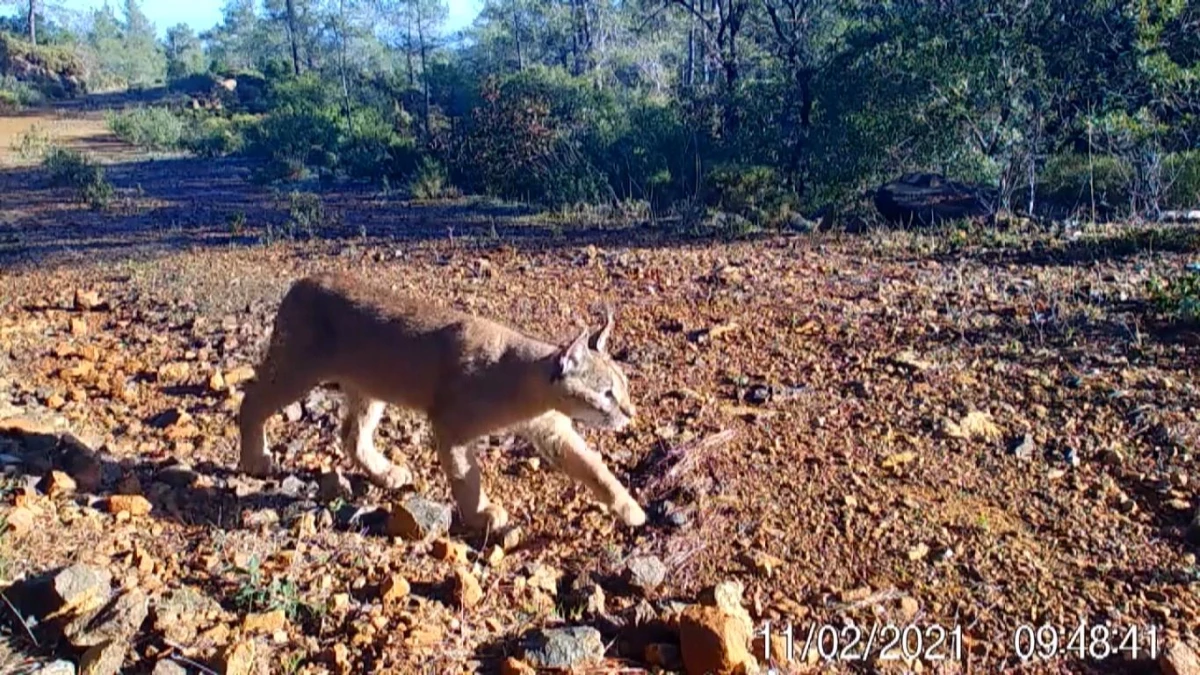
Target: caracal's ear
599,340
572,356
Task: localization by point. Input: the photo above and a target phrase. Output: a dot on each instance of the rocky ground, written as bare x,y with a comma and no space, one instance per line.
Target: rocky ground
966,438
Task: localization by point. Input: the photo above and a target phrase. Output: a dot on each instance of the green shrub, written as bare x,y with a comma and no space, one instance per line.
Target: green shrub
537,136
373,150
32,145
305,213
71,168
1178,298
755,193
150,128
1182,171
302,129
209,135
1069,180
431,181
16,94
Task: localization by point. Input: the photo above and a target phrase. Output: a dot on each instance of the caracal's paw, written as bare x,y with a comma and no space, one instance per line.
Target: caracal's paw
396,477
493,517
630,513
260,466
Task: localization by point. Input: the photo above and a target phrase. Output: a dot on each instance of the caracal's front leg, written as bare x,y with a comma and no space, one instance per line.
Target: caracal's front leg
555,439
361,417
273,387
461,465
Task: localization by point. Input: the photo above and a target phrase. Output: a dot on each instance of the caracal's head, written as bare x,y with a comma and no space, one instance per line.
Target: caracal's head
590,386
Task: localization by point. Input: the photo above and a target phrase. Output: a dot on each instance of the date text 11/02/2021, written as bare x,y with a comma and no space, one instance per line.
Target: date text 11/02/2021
851,642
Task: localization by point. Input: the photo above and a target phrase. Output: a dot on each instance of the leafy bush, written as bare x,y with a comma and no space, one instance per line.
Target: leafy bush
535,137
1069,180
32,145
373,149
431,181
150,128
70,168
755,193
1178,298
194,83
216,136
1183,173
651,158
305,212
301,131
16,94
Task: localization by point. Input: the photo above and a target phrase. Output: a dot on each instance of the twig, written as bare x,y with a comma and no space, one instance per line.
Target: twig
20,620
872,599
178,656
689,455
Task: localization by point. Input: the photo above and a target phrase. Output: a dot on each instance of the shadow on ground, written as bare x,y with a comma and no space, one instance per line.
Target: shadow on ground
180,202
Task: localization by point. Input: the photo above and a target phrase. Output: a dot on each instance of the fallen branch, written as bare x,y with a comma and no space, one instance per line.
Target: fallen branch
688,455
878,597
19,619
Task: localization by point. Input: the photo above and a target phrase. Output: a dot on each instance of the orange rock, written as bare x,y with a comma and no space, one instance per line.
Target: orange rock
57,483
515,666
712,641
134,505
467,591
394,589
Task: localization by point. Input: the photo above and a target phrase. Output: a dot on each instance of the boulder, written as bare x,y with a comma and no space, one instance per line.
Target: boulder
927,199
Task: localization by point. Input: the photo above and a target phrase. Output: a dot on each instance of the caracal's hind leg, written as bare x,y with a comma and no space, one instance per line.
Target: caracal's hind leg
359,421
460,463
556,440
278,381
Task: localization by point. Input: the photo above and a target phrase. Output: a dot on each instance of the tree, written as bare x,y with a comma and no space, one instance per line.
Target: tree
144,62
185,54
105,44
721,22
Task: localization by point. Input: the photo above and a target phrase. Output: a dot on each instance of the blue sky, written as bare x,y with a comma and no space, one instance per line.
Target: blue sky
204,14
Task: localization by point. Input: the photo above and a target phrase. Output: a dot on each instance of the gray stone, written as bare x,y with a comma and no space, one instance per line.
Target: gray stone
642,614
59,667
168,667
645,573
1024,449
117,621
294,487
419,519
565,648
587,597
81,588
293,412
178,475
105,658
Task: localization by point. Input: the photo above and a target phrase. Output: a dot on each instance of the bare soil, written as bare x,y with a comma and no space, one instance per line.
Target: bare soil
978,434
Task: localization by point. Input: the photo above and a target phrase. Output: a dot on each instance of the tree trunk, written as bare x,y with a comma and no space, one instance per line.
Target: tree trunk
706,76
408,58
424,71
292,36
585,28
517,38
33,22
342,59
689,73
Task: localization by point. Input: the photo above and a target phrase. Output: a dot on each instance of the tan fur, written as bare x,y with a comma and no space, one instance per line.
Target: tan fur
470,377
